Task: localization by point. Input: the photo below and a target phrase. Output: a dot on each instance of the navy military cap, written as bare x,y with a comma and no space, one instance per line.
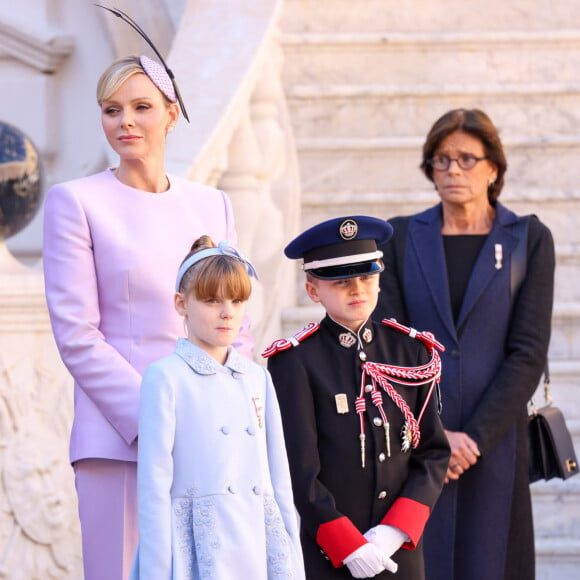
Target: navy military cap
343,247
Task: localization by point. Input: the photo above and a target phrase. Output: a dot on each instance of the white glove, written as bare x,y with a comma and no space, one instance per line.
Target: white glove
368,561
387,538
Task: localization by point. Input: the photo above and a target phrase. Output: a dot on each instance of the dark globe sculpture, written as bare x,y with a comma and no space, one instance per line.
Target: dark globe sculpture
20,180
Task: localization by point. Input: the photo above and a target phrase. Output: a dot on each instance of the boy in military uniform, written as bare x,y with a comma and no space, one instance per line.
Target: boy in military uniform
368,454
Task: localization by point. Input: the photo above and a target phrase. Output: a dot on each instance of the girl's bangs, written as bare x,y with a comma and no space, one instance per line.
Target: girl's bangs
223,277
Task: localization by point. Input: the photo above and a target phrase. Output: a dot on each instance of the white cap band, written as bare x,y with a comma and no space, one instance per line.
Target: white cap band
342,260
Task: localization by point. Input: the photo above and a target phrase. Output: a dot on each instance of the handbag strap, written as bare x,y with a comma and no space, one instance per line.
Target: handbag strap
547,396
518,267
519,257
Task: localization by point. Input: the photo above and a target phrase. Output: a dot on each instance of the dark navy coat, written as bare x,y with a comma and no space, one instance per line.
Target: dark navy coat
481,527
337,499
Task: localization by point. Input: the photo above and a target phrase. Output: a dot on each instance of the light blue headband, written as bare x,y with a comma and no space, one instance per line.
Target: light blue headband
223,249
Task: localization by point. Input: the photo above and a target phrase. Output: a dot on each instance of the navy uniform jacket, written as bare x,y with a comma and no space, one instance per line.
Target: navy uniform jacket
337,499
481,527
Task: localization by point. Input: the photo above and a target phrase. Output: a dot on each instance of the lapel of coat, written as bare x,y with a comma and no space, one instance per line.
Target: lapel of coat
425,232
484,270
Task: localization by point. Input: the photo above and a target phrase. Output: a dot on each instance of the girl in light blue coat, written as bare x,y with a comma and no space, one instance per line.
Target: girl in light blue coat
214,491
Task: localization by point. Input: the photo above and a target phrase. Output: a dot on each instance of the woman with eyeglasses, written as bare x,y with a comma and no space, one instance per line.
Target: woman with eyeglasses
453,270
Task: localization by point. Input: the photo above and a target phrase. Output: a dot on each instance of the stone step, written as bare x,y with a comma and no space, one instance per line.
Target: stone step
558,559
558,209
358,165
371,111
418,15
396,201
556,506
565,337
432,57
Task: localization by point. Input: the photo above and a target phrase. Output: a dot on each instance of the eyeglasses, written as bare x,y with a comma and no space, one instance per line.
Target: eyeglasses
464,160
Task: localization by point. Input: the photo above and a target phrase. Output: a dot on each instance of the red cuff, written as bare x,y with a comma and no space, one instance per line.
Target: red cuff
409,516
339,538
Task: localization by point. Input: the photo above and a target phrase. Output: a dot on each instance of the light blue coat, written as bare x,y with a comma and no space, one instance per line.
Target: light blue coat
214,490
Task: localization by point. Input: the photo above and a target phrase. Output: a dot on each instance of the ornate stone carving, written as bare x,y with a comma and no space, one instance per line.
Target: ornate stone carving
39,530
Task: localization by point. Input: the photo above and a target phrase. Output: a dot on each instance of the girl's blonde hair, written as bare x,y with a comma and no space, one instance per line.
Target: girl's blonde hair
116,74
215,276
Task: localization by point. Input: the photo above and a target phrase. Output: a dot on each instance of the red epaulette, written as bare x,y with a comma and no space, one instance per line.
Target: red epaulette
286,343
427,338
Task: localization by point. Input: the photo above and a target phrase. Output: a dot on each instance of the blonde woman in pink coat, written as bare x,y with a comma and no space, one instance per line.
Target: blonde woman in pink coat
112,244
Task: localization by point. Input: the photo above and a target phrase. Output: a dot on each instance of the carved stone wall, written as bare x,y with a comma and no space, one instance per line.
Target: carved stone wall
39,529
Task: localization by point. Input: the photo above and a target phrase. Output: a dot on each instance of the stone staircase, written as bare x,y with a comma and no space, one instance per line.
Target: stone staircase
365,80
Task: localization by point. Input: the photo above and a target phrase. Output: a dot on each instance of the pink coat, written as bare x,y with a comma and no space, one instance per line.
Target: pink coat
111,254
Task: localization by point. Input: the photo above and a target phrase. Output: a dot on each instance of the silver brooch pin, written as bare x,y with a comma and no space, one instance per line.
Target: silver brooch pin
498,256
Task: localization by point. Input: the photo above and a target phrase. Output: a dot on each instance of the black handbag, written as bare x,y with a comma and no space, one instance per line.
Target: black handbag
551,449
550,445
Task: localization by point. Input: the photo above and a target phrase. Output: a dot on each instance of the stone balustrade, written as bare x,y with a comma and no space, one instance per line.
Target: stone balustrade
240,138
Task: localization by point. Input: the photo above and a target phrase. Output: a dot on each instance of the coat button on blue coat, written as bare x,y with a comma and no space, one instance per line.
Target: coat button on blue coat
225,430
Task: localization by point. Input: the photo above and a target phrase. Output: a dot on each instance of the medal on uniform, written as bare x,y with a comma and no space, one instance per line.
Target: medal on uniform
259,410
407,437
341,403
387,427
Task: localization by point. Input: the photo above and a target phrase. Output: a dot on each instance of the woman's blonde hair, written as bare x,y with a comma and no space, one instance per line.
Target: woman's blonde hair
215,276
116,74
